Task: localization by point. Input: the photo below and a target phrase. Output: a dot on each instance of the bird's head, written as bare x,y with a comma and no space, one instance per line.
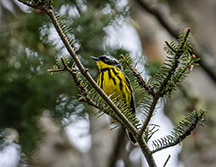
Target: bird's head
106,61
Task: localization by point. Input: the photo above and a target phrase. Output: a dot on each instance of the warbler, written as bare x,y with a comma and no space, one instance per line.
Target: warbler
113,81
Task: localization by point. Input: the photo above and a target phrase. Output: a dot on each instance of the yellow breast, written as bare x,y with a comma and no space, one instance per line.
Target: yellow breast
113,82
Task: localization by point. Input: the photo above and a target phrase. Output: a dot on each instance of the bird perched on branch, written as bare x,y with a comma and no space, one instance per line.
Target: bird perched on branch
114,82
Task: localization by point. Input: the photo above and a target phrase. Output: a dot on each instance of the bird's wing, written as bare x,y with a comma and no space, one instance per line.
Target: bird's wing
133,104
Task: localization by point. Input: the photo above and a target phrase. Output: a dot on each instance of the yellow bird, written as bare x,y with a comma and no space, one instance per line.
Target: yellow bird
114,82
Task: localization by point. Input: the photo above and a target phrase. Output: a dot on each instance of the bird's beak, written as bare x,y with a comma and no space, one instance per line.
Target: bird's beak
94,58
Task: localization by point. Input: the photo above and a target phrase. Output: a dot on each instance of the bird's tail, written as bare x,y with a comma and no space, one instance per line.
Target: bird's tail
131,137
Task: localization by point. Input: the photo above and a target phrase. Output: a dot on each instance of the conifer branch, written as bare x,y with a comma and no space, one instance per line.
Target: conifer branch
164,83
183,130
84,92
172,85
174,66
84,71
74,72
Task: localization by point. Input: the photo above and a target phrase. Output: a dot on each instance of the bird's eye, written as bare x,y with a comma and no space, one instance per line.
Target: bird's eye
106,59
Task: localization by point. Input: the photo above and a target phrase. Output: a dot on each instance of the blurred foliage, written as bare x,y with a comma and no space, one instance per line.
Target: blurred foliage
28,49
152,67
26,88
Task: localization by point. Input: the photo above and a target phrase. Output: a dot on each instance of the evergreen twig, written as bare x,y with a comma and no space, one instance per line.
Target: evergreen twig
175,64
170,47
163,84
172,85
181,132
84,92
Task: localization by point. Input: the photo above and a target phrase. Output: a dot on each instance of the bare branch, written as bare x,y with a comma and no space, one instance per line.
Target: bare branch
173,31
55,70
166,161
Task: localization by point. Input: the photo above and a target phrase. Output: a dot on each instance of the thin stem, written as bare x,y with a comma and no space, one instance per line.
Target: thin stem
149,116
166,161
56,70
172,85
167,43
